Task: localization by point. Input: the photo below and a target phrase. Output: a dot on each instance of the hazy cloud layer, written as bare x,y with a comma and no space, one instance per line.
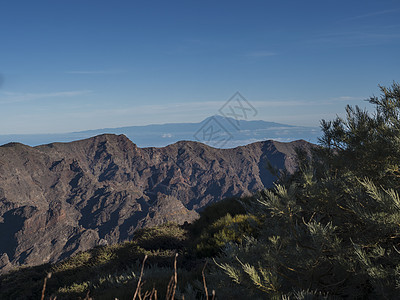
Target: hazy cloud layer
13,97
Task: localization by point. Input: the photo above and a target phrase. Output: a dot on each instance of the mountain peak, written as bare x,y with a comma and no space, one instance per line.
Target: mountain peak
69,197
219,118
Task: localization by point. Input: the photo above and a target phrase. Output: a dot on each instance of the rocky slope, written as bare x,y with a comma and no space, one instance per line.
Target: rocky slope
58,199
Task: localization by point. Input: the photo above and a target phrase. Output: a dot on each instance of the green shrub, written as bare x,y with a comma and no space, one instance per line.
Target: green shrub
226,230
166,236
215,211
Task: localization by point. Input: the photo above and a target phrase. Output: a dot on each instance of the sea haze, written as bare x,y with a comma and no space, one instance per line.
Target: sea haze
231,133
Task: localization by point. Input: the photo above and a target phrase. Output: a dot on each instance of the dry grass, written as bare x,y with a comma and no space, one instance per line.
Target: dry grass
150,294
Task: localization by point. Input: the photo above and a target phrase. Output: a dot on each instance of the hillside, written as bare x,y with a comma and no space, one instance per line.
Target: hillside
62,198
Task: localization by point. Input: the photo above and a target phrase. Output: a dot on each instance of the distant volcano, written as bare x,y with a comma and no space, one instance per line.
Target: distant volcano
232,132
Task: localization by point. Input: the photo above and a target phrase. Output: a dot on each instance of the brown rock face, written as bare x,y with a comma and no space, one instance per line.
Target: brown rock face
58,199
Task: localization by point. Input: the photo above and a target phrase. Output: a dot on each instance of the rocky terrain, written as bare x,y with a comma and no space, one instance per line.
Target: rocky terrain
62,198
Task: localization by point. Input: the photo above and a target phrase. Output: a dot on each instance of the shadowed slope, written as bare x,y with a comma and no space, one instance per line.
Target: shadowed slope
61,198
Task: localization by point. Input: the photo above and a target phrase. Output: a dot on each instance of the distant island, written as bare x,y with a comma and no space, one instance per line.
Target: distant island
232,133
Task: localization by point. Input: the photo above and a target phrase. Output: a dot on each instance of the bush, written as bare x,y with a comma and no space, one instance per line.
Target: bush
333,229
226,230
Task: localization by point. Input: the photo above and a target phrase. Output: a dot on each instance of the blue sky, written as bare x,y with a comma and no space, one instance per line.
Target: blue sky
78,65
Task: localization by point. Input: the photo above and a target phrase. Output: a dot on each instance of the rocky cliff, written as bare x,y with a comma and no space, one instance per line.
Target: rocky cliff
61,198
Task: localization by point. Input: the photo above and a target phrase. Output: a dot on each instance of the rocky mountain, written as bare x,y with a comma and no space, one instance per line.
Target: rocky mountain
62,198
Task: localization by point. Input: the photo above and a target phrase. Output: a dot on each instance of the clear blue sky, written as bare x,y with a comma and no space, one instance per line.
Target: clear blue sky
77,65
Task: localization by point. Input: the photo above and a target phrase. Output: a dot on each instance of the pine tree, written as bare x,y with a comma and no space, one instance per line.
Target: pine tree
367,145
333,229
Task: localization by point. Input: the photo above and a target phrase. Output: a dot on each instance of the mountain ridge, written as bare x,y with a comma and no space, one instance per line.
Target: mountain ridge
62,198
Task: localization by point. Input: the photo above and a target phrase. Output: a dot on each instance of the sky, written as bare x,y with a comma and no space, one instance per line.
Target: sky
78,65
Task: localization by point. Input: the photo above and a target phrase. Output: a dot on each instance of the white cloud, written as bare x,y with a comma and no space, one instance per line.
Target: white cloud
190,109
349,98
372,14
261,54
12,97
360,37
95,72
282,103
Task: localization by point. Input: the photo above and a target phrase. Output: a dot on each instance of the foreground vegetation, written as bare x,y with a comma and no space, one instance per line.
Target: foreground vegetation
110,272
332,230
